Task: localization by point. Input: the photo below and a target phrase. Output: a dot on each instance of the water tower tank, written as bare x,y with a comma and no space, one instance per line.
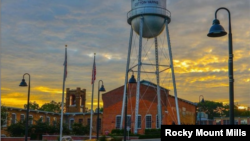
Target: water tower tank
154,13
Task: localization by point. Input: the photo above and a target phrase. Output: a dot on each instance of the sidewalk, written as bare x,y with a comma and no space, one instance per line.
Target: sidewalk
145,139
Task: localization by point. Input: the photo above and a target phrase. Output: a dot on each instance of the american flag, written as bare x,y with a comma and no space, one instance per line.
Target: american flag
65,63
93,72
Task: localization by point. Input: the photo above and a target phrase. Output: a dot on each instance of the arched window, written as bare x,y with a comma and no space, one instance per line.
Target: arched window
72,100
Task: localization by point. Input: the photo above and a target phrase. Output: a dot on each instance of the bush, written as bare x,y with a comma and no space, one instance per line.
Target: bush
117,131
152,131
149,136
79,129
103,138
116,138
17,129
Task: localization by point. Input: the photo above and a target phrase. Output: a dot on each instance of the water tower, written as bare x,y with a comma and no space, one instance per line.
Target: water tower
148,18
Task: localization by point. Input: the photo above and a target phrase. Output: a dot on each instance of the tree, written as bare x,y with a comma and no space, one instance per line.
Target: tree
17,129
79,129
32,106
51,107
3,115
209,108
101,109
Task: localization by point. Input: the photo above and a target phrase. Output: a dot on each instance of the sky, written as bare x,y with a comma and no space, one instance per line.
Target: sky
34,35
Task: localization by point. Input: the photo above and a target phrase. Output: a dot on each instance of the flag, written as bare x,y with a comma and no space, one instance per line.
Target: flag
65,64
93,72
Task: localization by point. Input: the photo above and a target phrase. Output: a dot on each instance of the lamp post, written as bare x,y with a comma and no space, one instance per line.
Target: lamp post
102,89
202,100
131,80
217,31
24,84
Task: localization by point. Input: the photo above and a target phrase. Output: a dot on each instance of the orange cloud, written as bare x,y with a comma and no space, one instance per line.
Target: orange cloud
48,90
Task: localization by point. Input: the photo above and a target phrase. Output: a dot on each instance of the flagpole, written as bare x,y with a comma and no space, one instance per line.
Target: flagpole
64,77
92,81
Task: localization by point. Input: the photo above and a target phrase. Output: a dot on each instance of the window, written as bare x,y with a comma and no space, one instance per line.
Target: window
30,120
41,118
243,121
88,121
157,122
71,122
129,121
148,121
99,125
48,120
118,122
225,122
183,111
13,118
22,117
80,99
5,121
139,121
80,121
54,121
72,100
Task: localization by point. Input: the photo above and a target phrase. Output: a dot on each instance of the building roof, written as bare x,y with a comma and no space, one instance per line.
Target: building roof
53,113
38,111
152,85
148,83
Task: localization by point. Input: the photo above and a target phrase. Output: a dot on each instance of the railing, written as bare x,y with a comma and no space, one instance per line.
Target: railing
147,10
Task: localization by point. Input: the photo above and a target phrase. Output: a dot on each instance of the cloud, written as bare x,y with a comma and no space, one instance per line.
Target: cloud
34,34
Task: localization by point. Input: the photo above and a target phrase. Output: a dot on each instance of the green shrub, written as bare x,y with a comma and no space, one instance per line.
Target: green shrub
114,138
152,131
148,136
103,138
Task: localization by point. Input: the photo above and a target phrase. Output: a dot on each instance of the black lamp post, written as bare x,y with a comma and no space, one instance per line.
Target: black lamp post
202,100
102,89
131,80
24,84
217,31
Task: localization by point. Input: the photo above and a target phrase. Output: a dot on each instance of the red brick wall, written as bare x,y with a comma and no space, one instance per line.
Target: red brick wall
147,105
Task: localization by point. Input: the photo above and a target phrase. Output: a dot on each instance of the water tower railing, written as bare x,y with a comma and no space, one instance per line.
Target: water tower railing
149,11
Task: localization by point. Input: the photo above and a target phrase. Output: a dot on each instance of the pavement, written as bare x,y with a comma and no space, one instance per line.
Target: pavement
145,139
133,140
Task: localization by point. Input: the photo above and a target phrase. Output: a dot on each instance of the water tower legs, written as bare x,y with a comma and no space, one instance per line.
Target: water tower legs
126,75
158,83
138,77
172,69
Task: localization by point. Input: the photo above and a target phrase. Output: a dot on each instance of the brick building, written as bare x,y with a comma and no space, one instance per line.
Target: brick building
75,112
147,117
15,115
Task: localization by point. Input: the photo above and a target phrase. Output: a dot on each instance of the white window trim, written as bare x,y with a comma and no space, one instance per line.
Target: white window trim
117,121
41,117
71,119
146,121
47,120
156,122
138,122
130,120
30,119
23,117
6,120
12,118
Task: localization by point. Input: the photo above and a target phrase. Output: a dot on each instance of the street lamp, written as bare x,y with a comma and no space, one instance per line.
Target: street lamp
24,84
131,80
102,89
202,100
217,31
